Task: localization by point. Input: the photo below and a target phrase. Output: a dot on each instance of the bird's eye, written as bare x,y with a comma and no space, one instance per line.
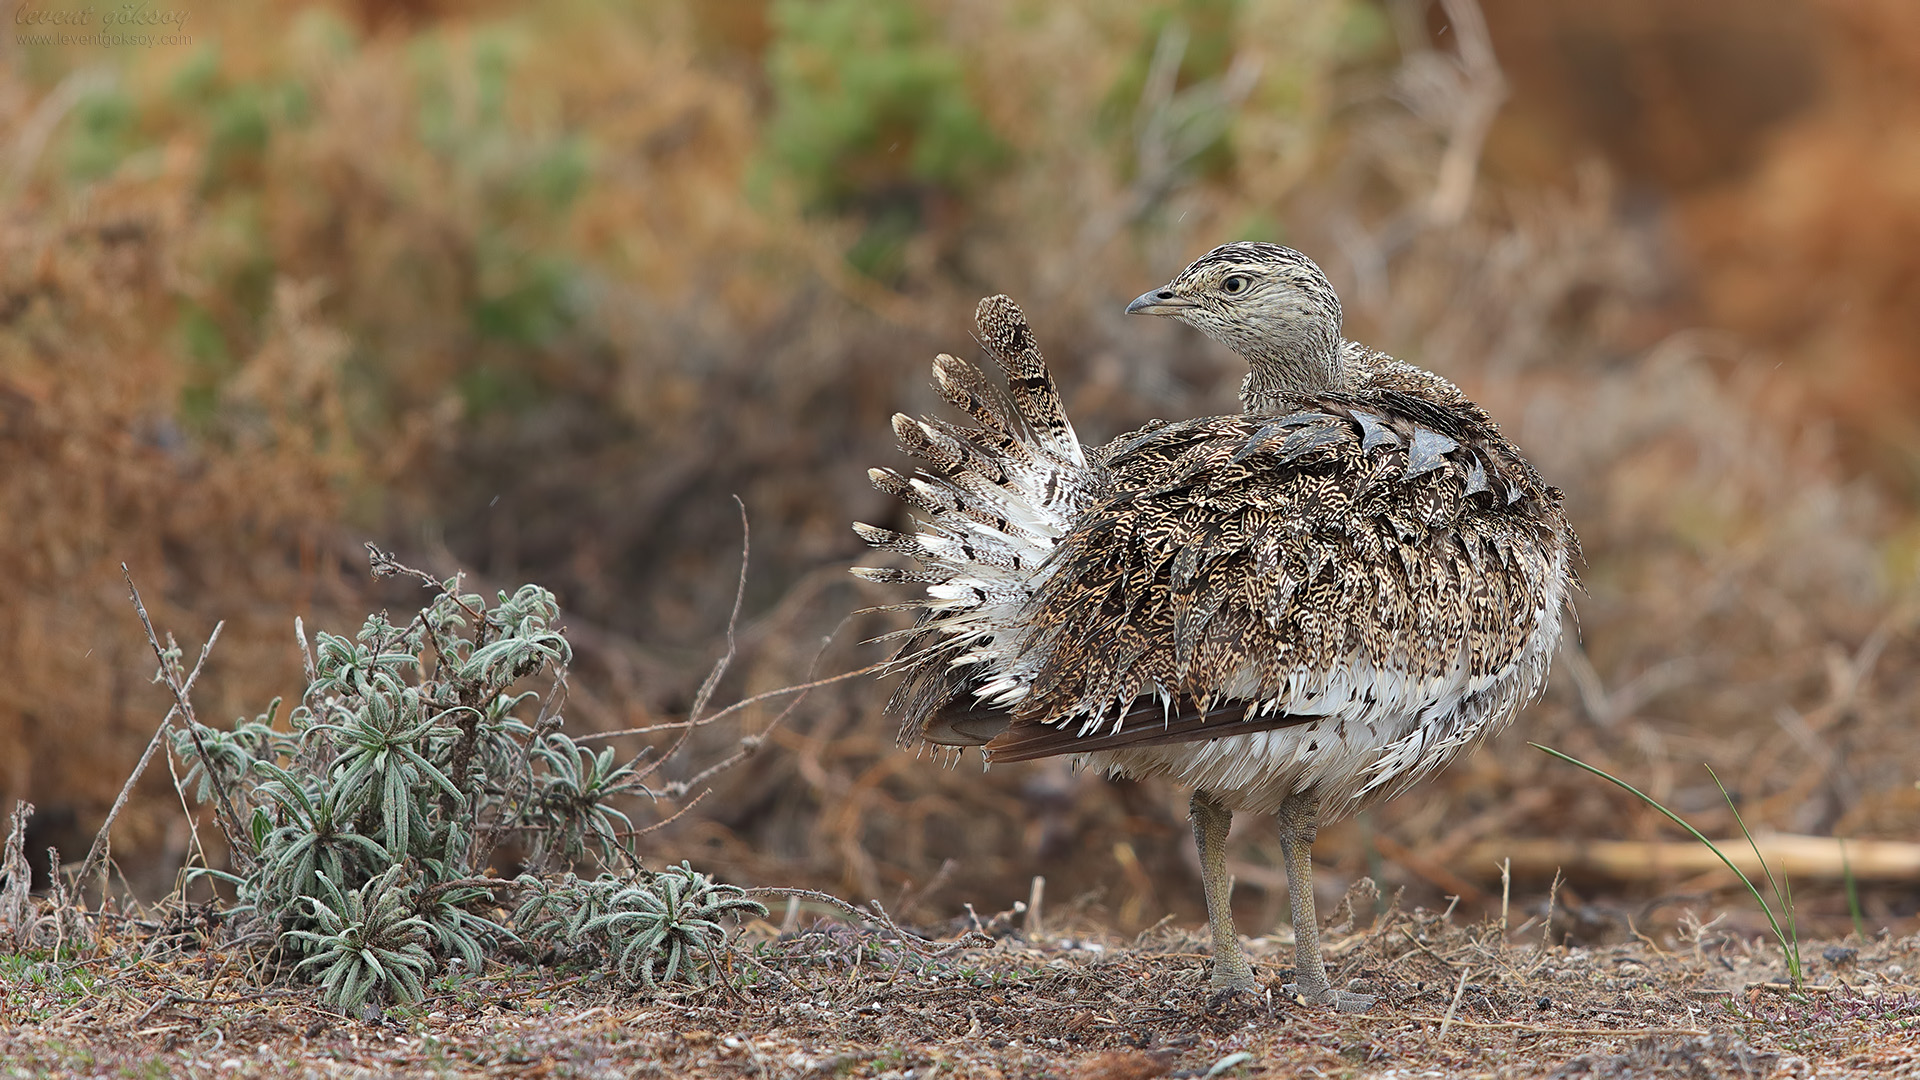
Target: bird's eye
1235,285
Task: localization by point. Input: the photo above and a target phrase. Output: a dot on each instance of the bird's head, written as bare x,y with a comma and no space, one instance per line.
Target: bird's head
1270,304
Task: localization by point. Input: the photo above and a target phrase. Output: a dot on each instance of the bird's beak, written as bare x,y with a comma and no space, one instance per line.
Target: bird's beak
1159,302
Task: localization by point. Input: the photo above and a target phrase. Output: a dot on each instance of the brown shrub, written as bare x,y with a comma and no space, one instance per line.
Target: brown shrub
224,523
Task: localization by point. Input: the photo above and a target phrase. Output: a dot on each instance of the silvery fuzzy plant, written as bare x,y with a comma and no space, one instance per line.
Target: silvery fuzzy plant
650,928
369,819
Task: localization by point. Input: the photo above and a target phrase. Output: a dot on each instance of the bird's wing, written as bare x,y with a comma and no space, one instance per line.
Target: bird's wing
1370,557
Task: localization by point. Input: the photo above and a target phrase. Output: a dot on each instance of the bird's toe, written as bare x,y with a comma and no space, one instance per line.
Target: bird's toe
1346,1001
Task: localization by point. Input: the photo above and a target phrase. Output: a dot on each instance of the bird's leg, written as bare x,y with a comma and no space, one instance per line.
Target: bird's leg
1210,821
1299,821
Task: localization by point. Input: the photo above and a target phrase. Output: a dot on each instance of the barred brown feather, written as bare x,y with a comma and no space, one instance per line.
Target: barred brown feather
1303,607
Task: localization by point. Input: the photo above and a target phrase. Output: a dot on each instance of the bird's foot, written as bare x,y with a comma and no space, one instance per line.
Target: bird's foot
1346,1001
1232,972
1230,981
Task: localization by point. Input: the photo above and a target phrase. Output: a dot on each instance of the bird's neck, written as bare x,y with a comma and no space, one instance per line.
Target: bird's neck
1310,363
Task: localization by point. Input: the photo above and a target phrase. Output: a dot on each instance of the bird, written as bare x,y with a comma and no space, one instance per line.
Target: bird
1299,609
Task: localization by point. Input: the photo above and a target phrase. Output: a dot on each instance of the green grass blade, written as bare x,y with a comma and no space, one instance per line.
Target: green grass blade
1853,893
1765,908
1790,942
1740,821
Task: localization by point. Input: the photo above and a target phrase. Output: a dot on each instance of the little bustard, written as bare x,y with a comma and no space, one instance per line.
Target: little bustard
1299,609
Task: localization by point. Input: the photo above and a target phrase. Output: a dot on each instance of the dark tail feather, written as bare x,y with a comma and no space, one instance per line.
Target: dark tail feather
1005,333
1146,723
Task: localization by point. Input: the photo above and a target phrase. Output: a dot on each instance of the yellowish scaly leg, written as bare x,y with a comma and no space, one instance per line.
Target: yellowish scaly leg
1210,821
1299,822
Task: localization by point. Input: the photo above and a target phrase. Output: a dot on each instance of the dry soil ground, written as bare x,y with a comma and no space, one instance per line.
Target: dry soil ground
834,1001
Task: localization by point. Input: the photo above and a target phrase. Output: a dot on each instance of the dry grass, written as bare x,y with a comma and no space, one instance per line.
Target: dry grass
836,1000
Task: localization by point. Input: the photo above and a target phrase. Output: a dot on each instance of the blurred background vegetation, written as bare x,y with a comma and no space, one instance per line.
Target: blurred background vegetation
535,290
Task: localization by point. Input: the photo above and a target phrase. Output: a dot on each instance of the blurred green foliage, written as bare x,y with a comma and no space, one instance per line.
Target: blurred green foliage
101,135
519,186
505,191
867,97
872,114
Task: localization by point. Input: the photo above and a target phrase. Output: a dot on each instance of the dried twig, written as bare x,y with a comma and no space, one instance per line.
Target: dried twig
183,706
918,944
797,688
671,818
1538,1029
1458,992
383,564
733,618
720,666
910,899
749,744
1425,948
1480,92
1639,860
16,903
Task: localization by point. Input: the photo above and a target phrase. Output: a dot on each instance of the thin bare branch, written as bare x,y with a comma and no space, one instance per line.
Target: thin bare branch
749,744
382,564
914,942
738,705
720,666
97,852
183,706
1458,993
671,818
733,618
